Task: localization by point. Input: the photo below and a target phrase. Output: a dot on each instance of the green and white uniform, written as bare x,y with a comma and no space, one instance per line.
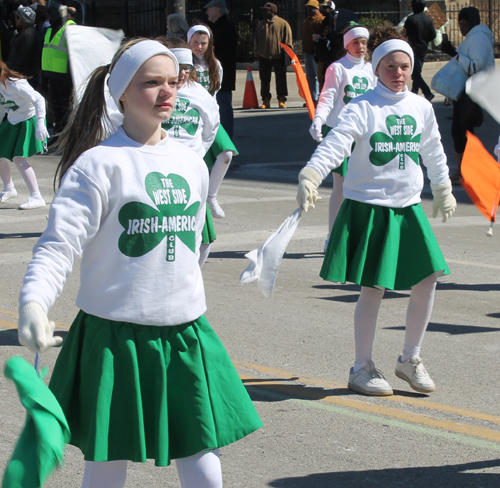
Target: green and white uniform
23,105
140,358
393,133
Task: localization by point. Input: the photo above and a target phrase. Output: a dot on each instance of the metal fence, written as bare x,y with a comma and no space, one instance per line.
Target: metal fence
147,17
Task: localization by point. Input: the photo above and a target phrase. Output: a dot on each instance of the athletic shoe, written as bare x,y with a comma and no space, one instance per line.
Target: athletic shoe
369,381
215,209
413,371
7,195
32,203
431,97
282,103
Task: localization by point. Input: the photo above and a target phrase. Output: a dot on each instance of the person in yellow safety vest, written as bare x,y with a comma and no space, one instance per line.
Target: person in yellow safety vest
56,66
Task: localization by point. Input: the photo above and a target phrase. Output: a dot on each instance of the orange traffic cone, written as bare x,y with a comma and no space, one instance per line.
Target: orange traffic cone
250,95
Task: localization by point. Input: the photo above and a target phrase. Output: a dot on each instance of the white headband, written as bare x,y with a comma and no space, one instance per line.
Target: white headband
389,47
197,28
356,32
183,55
130,61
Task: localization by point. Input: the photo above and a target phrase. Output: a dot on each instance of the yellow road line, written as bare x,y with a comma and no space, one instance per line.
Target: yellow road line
13,324
316,394
416,402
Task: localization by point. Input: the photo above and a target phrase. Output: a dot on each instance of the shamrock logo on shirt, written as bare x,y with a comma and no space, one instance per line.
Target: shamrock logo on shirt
8,104
170,218
400,142
359,87
183,117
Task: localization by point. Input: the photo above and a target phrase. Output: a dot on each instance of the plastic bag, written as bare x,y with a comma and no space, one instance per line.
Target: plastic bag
450,80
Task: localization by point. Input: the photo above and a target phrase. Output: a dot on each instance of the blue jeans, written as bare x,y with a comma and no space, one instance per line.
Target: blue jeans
225,102
312,76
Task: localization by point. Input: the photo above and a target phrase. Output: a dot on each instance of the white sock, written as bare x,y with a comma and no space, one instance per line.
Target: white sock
28,175
218,171
418,315
336,199
5,175
111,474
204,252
203,470
365,323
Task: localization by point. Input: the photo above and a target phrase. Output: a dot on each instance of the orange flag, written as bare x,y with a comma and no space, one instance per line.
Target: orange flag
481,174
304,91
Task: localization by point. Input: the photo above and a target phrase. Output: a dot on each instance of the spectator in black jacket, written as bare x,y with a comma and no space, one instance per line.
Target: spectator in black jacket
24,56
225,42
419,31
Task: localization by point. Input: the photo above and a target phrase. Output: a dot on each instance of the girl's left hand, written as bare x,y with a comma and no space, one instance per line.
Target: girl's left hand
41,132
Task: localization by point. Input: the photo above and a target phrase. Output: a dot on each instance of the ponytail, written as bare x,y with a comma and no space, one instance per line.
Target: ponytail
85,129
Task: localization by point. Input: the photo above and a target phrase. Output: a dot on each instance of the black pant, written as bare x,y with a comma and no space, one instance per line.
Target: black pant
61,91
460,125
265,69
418,81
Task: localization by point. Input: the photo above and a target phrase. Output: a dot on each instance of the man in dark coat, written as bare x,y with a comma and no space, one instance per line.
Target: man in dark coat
225,42
419,31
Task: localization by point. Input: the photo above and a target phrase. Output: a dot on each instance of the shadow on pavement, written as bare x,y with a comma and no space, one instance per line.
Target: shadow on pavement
452,329
9,337
21,235
448,476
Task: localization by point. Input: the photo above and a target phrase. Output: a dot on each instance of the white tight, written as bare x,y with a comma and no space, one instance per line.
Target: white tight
417,318
336,199
203,470
218,172
26,171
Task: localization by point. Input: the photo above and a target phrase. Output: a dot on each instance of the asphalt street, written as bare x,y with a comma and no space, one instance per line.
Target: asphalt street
294,351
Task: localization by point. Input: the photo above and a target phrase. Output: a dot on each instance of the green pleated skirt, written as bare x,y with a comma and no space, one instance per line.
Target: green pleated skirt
222,142
135,392
385,247
208,233
342,169
19,140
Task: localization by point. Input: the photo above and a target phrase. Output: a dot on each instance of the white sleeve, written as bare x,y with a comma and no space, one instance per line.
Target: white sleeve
328,93
211,119
74,219
336,146
475,61
30,95
431,150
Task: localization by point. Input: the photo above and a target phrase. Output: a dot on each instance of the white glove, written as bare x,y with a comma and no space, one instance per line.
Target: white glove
443,200
307,192
35,330
315,129
41,132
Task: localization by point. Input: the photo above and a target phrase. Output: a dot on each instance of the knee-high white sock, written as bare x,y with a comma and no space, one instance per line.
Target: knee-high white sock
111,474
203,470
336,199
28,175
365,323
418,315
204,252
8,184
218,172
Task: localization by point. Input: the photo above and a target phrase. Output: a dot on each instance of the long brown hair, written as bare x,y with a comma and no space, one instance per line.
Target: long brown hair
8,74
211,61
85,129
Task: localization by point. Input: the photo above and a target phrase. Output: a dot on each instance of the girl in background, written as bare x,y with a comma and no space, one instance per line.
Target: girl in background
22,135
345,79
140,357
209,71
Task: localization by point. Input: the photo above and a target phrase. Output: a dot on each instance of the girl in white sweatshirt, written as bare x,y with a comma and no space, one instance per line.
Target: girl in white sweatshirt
22,134
209,70
141,374
345,79
381,237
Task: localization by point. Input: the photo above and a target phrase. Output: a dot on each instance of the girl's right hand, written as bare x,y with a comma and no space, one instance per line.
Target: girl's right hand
35,330
41,132
315,130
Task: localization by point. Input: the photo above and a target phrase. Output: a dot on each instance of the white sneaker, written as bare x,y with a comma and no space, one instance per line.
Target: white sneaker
369,381
7,195
215,208
32,203
413,371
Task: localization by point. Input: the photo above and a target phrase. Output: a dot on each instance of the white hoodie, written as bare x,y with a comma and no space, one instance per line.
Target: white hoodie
476,51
